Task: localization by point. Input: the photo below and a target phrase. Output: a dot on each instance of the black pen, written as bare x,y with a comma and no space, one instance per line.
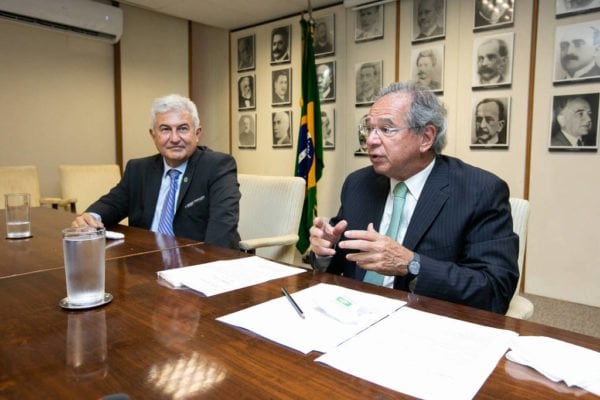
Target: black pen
292,302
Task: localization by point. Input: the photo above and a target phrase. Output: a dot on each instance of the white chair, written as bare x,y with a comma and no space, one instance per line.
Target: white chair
270,211
25,179
519,306
87,183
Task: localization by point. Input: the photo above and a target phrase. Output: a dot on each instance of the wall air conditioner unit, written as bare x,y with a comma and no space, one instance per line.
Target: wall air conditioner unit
81,17
358,4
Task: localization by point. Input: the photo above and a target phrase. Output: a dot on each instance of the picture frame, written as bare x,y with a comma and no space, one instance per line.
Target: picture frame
246,92
493,14
369,79
281,45
361,149
328,127
575,54
493,60
565,8
427,67
246,53
574,125
368,23
282,128
429,20
324,42
247,131
326,81
491,123
281,87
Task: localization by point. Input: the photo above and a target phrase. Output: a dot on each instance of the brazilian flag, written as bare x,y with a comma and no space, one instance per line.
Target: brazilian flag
309,160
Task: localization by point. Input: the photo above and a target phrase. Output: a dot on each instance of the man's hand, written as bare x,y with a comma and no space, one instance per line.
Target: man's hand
323,237
377,252
86,219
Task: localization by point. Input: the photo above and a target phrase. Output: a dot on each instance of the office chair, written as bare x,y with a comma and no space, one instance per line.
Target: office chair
87,183
270,211
25,179
519,306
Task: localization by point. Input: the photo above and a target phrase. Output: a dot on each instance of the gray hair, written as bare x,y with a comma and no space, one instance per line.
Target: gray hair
425,109
174,102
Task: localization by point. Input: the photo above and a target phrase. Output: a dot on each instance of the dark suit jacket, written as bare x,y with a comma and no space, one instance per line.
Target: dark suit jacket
461,227
559,139
207,206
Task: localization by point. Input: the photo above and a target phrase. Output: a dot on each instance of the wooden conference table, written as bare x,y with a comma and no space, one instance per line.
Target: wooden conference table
152,342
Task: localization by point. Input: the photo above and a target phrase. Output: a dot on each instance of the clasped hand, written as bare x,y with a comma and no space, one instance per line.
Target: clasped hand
376,252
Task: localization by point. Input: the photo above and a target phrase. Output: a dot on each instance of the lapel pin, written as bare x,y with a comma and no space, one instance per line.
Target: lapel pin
185,179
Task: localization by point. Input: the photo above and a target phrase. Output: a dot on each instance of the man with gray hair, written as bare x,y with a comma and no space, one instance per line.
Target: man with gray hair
419,220
492,59
186,190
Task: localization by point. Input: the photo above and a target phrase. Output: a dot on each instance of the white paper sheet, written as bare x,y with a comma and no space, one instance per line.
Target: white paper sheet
227,275
333,314
423,355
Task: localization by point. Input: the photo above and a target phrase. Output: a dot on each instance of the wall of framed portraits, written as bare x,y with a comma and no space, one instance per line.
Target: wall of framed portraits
484,65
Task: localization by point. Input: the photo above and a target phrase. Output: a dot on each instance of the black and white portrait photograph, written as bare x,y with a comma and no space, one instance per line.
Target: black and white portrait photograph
576,52
246,53
429,19
281,42
361,135
574,122
326,81
282,128
491,122
567,8
328,127
493,55
324,43
369,23
492,14
247,131
369,80
281,80
246,99
427,67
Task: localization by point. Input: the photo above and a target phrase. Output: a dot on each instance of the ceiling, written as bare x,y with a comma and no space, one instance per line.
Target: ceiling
229,14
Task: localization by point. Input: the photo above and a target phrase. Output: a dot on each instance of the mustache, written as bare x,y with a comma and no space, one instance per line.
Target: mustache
570,57
485,70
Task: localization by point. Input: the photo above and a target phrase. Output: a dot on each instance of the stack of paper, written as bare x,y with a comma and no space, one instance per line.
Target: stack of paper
558,361
227,275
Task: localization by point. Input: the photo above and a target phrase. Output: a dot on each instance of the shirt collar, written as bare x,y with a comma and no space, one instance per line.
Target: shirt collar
415,183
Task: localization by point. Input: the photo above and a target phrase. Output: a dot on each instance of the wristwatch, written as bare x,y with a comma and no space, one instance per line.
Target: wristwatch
415,264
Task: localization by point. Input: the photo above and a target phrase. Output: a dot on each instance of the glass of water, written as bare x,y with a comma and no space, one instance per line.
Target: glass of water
18,223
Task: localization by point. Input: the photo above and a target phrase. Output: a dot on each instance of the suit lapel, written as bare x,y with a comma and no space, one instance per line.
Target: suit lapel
186,179
432,199
152,189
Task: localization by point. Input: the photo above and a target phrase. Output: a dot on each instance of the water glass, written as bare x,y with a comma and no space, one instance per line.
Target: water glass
18,223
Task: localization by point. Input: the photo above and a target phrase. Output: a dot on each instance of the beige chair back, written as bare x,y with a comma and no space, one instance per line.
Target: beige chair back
20,179
87,183
270,211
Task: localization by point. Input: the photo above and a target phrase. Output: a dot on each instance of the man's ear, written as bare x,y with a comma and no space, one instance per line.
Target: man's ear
428,138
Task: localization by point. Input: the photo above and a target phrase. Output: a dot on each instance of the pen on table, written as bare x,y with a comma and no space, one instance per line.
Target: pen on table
292,302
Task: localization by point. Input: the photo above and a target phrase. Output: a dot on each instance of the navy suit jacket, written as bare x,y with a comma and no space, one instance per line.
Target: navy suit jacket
207,205
461,227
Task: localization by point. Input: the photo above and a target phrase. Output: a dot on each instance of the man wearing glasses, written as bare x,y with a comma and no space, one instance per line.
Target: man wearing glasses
454,239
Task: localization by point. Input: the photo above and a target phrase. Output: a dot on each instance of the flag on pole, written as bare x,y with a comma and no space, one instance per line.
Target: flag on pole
309,159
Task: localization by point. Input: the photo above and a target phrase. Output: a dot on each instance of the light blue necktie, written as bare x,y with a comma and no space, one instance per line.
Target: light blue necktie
392,232
165,225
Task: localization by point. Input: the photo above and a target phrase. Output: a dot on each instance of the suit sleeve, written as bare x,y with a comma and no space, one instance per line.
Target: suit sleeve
113,206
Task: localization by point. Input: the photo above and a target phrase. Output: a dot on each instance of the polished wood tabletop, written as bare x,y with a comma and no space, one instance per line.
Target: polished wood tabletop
153,342
44,249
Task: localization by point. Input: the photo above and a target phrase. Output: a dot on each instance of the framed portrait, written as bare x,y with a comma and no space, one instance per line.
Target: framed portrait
429,20
369,80
361,135
492,60
324,43
369,23
491,123
326,81
427,67
282,128
247,131
246,53
328,127
281,44
567,8
575,55
246,98
281,87
574,123
492,14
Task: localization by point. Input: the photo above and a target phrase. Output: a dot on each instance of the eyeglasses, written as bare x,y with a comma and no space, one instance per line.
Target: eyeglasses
381,131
